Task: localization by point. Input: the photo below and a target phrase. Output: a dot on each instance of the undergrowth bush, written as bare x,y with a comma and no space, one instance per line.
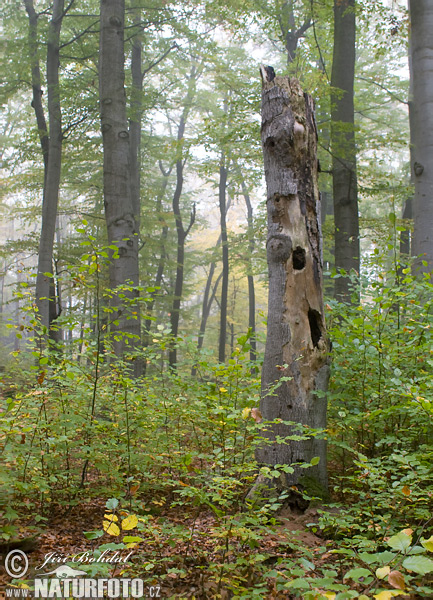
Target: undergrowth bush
174,451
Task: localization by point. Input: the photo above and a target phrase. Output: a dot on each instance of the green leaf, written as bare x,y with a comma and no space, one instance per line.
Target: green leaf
418,564
298,584
315,461
132,539
112,503
93,535
358,574
400,542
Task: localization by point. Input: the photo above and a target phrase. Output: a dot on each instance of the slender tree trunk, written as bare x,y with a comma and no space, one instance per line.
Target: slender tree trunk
421,122
290,33
405,244
120,213
250,276
345,185
51,146
181,232
296,334
225,258
36,82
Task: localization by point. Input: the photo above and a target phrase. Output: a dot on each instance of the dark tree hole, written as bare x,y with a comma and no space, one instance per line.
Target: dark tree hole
314,321
298,258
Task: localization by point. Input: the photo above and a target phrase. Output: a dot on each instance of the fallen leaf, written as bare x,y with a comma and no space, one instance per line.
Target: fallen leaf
396,579
256,415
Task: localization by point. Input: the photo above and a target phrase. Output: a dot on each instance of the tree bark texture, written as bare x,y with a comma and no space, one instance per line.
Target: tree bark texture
296,333
52,153
421,122
120,215
135,120
345,185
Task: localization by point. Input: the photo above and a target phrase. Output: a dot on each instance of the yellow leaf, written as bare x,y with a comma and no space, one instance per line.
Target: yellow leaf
428,544
382,572
246,412
405,490
408,531
110,528
223,390
329,595
111,517
130,522
387,595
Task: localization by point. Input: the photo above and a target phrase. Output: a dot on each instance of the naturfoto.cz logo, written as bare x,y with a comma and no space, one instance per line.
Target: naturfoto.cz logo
67,582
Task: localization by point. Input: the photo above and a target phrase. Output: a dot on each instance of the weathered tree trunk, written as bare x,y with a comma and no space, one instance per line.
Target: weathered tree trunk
296,334
222,190
120,213
421,122
51,146
345,185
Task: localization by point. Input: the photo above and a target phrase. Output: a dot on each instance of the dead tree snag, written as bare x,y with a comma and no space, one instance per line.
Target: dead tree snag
296,334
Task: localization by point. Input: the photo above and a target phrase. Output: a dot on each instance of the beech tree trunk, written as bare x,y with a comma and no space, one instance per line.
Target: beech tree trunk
345,185
120,213
296,333
421,122
51,146
135,120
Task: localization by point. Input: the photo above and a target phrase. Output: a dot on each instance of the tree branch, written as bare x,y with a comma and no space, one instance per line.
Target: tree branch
191,220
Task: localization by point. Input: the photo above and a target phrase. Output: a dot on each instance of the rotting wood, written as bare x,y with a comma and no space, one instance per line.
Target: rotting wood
297,346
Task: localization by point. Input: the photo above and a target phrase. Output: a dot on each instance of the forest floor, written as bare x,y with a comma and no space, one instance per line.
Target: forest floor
63,534
190,565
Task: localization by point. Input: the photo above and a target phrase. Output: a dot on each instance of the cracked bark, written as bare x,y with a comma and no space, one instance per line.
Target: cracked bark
296,334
